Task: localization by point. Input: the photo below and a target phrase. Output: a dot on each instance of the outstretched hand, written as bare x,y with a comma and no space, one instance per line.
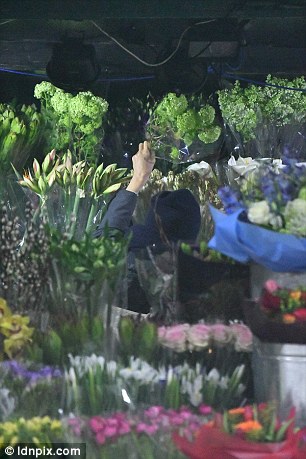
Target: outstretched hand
143,163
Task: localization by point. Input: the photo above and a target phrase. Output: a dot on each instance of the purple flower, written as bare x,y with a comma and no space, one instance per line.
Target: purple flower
231,199
32,376
287,189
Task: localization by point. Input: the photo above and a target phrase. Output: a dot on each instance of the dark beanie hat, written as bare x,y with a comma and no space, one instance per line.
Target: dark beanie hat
176,214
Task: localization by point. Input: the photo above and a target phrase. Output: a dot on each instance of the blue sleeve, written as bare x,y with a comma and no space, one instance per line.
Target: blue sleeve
119,213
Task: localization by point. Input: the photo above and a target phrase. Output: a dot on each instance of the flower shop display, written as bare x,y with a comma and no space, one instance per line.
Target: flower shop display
176,123
94,385
30,387
22,129
264,219
73,121
279,314
72,195
279,352
265,118
36,431
246,432
146,434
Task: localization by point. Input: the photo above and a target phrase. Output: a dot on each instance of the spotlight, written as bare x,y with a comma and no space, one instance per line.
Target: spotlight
73,65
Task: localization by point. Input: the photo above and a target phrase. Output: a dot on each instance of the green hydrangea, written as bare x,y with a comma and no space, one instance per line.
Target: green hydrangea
245,108
60,102
187,122
72,120
210,135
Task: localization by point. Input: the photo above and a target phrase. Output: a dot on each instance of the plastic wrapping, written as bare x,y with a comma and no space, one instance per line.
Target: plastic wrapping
245,242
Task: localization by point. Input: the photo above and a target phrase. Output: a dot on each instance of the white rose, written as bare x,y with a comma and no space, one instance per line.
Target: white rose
259,213
202,168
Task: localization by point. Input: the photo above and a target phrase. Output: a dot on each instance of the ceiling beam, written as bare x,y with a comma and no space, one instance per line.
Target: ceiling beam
148,9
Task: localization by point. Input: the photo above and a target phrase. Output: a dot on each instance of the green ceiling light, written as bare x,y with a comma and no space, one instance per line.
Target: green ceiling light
73,65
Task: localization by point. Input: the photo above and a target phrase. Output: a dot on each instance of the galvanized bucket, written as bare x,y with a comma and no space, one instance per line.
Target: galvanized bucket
279,374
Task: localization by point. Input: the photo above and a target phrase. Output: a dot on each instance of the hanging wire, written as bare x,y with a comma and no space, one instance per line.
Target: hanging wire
157,64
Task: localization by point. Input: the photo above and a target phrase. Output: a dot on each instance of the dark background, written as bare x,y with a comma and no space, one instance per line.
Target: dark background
241,39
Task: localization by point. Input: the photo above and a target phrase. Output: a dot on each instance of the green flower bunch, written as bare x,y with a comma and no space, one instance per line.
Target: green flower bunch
244,109
85,275
176,119
21,131
75,122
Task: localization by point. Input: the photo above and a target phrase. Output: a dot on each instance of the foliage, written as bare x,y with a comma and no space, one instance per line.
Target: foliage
245,108
274,198
176,120
75,122
21,131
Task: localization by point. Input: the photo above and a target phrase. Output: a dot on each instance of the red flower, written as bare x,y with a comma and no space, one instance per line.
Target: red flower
212,443
300,314
270,301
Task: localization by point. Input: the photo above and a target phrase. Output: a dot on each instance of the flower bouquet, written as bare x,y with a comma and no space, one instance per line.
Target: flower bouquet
71,194
280,314
250,432
178,125
264,118
265,218
140,435
72,122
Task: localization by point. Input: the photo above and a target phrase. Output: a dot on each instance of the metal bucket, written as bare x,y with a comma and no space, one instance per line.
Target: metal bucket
279,374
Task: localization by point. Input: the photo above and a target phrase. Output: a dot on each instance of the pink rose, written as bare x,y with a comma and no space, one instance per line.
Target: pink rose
198,336
243,337
175,337
271,286
220,333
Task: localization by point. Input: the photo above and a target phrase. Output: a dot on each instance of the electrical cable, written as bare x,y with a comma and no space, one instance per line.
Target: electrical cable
7,21
157,64
124,78
261,83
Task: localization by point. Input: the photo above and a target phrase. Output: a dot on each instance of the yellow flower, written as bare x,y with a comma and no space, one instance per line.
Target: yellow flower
12,325
8,428
18,334
295,295
4,309
56,425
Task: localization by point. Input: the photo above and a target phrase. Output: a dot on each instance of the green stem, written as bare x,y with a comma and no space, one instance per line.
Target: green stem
74,213
92,213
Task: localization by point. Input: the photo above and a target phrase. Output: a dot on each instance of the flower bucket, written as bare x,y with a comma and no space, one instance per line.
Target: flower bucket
279,373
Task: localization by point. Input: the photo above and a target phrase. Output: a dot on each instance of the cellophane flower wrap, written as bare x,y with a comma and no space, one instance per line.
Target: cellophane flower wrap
279,315
177,125
262,118
246,433
265,219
